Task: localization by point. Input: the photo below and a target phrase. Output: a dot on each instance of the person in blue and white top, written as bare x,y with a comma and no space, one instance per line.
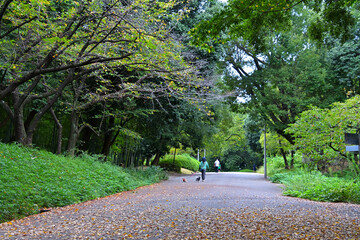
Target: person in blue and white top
202,167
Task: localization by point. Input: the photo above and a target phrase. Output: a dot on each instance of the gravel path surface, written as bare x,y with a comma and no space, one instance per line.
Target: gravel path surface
225,206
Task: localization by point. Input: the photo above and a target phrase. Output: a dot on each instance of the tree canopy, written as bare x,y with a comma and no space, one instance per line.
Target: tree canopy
252,21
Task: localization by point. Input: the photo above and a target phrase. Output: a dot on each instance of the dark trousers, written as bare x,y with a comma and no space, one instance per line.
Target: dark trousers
216,169
203,171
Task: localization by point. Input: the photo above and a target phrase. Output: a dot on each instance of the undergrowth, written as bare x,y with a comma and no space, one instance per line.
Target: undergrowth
32,179
303,182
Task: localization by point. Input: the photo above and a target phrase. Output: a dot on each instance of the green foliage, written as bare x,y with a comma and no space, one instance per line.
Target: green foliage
181,161
284,78
305,182
276,165
315,186
229,137
135,57
253,20
253,131
174,123
236,158
319,133
295,85
345,65
273,143
31,180
245,19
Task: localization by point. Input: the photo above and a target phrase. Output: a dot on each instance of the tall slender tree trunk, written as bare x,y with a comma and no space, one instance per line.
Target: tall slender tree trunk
284,156
126,152
74,117
74,133
108,137
86,137
18,119
59,132
292,159
285,159
19,128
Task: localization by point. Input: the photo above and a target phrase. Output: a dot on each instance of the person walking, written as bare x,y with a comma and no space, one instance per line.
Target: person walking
217,165
202,167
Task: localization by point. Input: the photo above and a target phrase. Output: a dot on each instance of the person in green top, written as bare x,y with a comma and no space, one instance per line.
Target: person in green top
202,167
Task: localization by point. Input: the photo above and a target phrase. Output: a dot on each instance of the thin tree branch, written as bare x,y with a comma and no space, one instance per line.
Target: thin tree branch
17,27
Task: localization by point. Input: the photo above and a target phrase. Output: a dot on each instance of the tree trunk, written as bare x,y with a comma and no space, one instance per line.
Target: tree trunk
59,133
74,133
126,156
29,118
108,137
18,120
292,159
50,102
174,158
284,157
19,128
85,140
148,161
30,126
156,159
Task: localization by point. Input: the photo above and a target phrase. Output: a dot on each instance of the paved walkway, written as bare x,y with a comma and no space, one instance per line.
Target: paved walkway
225,206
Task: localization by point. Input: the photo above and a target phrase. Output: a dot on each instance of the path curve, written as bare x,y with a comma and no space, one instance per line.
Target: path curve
225,206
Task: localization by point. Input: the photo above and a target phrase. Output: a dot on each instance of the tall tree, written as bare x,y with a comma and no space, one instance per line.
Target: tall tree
320,132
345,65
71,42
280,79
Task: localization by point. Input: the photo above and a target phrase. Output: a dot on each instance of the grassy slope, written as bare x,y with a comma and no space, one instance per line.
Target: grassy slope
315,186
303,183
31,179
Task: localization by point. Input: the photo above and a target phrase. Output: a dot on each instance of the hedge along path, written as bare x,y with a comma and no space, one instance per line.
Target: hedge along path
225,206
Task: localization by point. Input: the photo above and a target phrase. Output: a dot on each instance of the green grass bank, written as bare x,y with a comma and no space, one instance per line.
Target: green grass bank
32,179
305,182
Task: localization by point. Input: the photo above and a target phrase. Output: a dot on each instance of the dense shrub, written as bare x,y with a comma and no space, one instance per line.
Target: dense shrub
31,179
304,182
276,164
181,161
170,166
314,185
